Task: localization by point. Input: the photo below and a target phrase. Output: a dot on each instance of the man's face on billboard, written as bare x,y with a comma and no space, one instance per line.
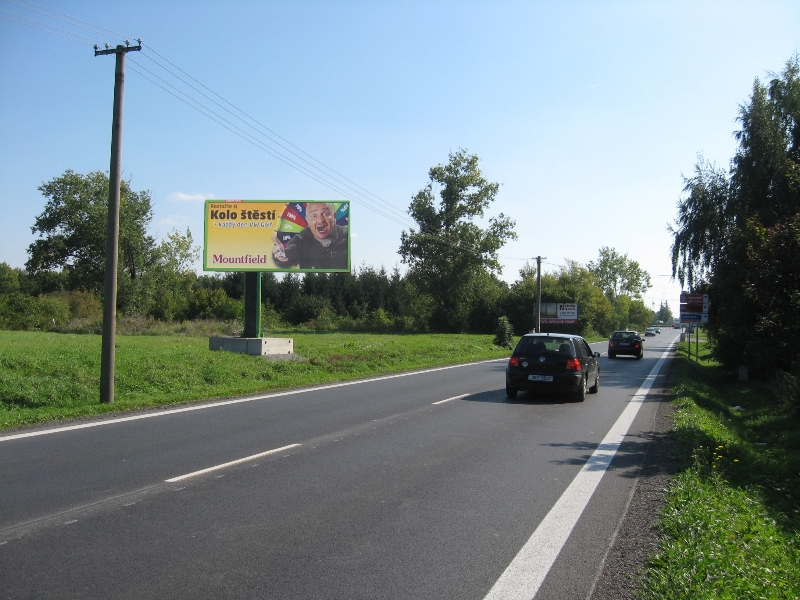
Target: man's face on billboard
320,218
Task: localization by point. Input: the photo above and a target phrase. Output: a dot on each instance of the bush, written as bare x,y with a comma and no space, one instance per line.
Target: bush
788,391
21,312
213,304
308,308
504,333
82,305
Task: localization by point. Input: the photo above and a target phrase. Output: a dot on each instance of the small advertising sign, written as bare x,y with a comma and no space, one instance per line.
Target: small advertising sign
559,313
276,235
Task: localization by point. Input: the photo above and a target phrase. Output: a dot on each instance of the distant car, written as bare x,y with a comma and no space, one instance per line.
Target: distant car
626,342
658,329
553,362
650,332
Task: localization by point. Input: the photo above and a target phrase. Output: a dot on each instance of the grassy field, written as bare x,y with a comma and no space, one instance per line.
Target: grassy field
732,521
49,376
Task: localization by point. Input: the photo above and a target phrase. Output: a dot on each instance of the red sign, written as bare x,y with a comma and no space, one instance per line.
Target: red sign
694,299
694,308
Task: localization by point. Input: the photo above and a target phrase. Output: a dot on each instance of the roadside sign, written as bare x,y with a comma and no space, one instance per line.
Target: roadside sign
559,313
694,317
695,308
694,298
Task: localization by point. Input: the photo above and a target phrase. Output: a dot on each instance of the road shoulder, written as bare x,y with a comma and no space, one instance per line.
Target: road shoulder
638,536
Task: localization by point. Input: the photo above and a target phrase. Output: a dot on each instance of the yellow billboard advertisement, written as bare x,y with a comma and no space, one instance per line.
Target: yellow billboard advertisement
277,235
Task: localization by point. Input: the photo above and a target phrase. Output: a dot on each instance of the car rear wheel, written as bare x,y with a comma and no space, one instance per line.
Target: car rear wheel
612,355
580,395
596,387
511,392
640,355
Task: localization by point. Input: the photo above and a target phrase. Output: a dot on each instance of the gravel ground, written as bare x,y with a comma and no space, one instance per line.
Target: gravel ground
637,536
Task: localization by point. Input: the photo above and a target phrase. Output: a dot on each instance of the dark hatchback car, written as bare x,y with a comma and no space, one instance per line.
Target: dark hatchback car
551,362
626,342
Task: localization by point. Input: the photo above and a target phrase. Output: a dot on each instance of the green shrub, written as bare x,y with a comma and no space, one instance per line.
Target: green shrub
82,305
21,312
213,304
504,333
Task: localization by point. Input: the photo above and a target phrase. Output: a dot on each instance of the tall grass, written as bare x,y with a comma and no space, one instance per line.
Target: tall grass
49,376
732,520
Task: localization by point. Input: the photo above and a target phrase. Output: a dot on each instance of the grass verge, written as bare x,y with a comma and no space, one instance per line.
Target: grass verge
731,525
49,376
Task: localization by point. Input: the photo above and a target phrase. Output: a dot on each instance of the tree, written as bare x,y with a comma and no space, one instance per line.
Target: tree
449,250
9,279
664,313
169,278
702,226
72,229
617,274
735,237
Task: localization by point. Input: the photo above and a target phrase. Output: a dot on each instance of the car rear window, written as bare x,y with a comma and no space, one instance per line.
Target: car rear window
623,335
545,345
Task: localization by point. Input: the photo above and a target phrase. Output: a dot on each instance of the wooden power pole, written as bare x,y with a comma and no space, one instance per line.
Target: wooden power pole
539,293
112,226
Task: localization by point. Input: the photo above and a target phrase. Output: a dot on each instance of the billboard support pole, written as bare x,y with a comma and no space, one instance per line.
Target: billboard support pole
697,345
252,305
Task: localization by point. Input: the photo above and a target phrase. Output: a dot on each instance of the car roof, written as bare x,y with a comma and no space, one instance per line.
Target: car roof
545,335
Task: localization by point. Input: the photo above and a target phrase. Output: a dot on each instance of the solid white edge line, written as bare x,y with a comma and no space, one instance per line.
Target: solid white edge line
526,573
164,413
230,464
449,399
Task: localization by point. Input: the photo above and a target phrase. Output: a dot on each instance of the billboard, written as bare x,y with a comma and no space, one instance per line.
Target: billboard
559,313
277,235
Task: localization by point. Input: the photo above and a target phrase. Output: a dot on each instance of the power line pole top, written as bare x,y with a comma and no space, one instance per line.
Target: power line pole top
119,49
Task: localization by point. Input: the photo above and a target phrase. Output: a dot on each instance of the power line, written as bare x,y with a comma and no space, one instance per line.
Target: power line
45,30
322,173
323,177
331,179
390,206
48,25
250,139
94,27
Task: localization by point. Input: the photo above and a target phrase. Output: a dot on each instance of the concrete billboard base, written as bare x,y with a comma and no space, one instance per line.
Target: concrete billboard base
252,346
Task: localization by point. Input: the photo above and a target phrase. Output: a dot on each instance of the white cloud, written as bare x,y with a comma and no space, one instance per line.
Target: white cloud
184,197
175,221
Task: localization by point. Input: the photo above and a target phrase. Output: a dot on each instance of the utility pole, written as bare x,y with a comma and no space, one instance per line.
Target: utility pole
112,225
539,260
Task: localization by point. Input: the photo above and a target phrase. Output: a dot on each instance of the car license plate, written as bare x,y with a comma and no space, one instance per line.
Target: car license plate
624,343
540,377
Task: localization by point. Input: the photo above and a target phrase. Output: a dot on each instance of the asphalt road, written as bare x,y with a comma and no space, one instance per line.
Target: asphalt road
426,485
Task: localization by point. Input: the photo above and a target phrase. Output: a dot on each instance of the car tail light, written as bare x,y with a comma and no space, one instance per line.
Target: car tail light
610,344
513,361
636,344
573,364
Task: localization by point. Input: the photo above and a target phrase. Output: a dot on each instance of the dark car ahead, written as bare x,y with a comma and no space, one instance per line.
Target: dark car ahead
551,362
626,342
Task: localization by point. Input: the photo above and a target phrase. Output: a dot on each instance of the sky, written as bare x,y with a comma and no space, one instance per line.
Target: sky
588,113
